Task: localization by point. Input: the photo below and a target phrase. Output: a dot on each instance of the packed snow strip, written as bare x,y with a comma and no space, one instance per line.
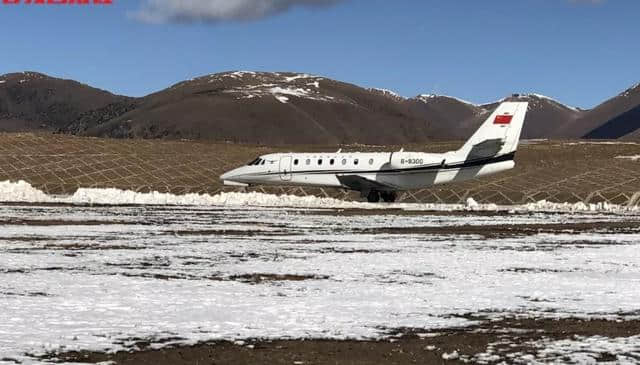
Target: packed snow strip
23,192
605,143
632,158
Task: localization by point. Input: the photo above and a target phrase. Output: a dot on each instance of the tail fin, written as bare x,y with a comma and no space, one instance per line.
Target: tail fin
498,135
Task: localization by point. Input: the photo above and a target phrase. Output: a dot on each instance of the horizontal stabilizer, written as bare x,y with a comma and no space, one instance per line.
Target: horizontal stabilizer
487,148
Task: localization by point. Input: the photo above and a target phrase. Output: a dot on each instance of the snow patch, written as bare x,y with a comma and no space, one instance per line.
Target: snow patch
287,91
537,96
22,191
540,96
280,93
3,81
471,203
282,99
576,350
629,90
426,98
451,356
588,350
546,206
388,93
297,77
239,74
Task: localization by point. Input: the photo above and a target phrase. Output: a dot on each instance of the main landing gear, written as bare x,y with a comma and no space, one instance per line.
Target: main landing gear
387,196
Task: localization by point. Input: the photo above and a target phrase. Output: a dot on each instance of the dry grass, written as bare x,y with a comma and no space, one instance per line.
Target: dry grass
555,171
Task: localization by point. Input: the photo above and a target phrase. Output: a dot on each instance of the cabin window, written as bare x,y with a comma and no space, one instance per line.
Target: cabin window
295,162
344,161
355,162
371,162
308,162
332,161
320,162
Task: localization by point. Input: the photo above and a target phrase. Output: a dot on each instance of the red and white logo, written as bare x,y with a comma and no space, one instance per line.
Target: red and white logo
503,119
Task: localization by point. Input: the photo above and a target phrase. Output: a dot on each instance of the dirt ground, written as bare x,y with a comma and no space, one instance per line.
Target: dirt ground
560,171
404,346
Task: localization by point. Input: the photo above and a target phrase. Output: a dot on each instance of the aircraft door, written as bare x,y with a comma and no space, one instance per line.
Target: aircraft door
285,168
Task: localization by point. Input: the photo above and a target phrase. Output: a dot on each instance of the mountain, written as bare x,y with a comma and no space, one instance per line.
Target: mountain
280,108
269,108
32,101
287,108
543,118
618,117
448,115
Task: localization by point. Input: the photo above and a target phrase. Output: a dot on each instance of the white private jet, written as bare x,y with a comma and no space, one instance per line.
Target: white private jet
382,175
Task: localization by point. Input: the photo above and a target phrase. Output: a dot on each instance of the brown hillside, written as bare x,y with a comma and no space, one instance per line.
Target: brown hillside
604,113
32,101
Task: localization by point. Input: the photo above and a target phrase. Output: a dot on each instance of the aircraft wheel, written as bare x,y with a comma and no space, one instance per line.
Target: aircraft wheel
373,197
389,197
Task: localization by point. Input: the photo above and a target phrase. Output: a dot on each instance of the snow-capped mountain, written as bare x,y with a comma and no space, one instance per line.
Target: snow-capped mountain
287,108
269,108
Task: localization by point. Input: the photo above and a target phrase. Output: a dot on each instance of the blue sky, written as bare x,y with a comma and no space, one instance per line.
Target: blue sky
579,52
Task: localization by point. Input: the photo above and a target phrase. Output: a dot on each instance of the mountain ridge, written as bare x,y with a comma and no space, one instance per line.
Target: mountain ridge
286,108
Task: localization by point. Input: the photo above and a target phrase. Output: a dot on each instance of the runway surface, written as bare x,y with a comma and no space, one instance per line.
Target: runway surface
129,278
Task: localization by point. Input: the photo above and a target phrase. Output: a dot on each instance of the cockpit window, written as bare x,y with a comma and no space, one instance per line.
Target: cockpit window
254,162
257,161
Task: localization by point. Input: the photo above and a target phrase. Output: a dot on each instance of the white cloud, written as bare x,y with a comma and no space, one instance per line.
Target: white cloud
215,11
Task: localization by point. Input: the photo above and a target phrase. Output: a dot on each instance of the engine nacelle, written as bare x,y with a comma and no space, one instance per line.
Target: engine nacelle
404,160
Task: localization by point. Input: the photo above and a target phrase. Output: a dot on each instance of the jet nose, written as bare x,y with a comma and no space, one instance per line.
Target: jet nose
233,178
227,175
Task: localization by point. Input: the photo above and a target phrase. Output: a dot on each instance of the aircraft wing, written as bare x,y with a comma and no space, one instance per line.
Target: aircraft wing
359,183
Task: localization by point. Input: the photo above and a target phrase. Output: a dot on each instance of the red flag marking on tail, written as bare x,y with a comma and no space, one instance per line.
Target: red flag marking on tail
503,119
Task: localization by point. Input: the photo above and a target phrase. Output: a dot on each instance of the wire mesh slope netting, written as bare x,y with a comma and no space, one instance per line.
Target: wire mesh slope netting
566,171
